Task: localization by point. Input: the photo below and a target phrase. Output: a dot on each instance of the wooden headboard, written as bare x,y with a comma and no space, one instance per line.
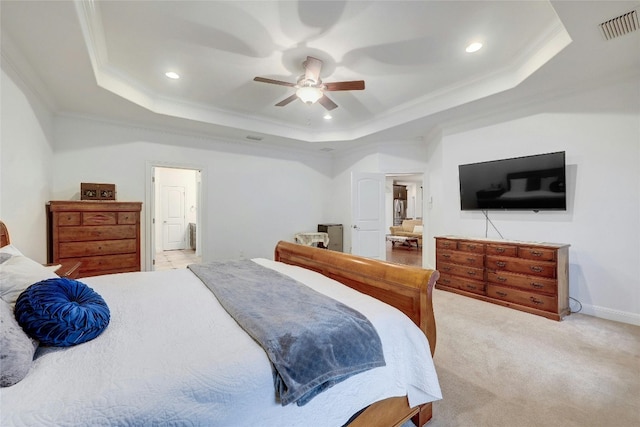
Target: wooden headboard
409,289
4,235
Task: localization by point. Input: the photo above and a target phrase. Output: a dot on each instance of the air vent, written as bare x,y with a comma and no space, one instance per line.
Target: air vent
620,26
254,138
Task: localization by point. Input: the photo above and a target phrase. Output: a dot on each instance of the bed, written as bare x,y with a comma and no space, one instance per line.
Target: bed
171,355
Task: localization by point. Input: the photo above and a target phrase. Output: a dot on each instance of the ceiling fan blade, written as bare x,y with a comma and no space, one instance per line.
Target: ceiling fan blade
353,85
312,67
275,82
287,100
327,103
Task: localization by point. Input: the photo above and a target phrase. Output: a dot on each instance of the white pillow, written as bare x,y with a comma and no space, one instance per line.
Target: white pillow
518,185
11,250
18,273
417,228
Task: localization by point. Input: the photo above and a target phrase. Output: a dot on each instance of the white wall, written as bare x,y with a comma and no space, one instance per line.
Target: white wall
253,197
25,165
600,132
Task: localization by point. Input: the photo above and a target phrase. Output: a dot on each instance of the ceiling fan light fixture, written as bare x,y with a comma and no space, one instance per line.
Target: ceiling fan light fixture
309,94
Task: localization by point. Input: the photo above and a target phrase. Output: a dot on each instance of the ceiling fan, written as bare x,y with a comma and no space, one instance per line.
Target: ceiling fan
310,88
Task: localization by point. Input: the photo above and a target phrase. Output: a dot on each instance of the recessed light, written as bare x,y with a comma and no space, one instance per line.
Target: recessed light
327,116
172,75
474,47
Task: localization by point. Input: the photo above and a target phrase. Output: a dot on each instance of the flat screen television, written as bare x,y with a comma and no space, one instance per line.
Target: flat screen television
521,183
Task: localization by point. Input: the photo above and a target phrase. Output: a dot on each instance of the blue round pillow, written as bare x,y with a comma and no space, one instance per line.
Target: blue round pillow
61,312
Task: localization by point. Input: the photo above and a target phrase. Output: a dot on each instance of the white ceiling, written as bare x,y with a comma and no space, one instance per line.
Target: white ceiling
108,59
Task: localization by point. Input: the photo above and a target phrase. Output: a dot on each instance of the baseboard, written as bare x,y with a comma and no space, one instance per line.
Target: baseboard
609,314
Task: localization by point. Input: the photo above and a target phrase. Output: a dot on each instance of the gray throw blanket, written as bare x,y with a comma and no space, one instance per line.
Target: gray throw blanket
313,341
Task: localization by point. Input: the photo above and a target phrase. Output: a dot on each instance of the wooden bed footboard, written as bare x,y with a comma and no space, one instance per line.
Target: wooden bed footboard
409,289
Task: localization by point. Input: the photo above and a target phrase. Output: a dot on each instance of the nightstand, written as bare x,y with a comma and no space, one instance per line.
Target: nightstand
70,269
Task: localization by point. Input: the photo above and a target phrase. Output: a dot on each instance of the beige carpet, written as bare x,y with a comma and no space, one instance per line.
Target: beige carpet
502,367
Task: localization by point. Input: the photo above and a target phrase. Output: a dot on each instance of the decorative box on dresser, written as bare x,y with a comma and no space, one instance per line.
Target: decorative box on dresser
103,236
527,276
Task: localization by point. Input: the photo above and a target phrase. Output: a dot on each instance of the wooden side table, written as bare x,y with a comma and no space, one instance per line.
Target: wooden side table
69,269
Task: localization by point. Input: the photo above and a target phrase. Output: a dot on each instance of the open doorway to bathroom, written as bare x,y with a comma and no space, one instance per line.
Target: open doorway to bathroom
175,214
404,204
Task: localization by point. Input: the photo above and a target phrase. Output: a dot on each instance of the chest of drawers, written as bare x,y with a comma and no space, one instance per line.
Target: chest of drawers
527,276
103,236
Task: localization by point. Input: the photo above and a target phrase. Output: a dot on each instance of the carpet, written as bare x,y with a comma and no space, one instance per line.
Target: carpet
502,367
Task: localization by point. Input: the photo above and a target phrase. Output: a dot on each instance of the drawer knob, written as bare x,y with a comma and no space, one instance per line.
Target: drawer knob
471,259
472,247
446,256
447,281
501,294
537,285
501,279
501,263
537,269
536,253
501,250
471,287
535,301
471,273
446,268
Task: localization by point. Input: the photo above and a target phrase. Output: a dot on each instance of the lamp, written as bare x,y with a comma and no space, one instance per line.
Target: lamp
309,94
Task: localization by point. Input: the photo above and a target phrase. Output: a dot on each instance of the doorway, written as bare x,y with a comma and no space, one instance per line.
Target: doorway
174,208
372,215
403,201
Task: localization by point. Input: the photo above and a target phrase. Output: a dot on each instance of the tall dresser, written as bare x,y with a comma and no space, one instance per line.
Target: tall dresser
103,236
527,276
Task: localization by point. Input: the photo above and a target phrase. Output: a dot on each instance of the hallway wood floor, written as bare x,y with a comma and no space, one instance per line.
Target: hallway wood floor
406,255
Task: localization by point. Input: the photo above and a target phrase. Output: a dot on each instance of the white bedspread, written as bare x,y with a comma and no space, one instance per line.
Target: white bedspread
172,356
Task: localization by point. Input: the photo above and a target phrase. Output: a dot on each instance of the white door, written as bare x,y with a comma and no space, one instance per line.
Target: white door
367,215
173,227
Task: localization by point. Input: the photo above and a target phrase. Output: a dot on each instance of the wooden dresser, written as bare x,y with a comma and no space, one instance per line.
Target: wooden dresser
526,276
103,236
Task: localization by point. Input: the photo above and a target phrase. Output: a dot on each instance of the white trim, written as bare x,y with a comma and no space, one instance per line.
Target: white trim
609,314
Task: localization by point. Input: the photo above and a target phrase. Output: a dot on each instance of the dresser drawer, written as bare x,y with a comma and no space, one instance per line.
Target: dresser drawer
469,246
99,218
523,266
529,299
103,247
446,244
469,285
542,254
502,250
464,258
127,217
97,232
100,264
447,280
461,270
531,283
68,218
